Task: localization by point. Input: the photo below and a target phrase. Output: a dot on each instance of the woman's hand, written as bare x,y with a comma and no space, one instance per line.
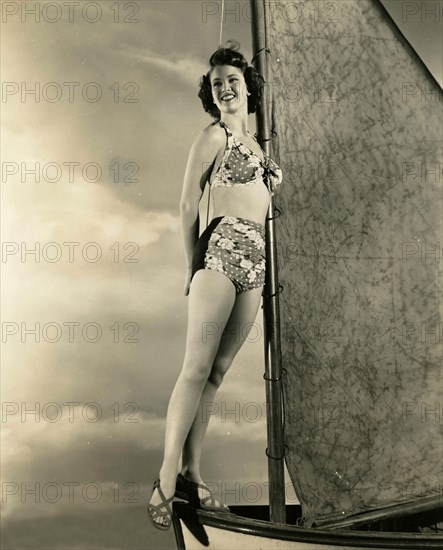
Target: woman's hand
188,280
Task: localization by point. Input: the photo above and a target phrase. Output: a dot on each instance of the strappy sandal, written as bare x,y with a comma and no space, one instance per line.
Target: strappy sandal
189,490
155,511
181,489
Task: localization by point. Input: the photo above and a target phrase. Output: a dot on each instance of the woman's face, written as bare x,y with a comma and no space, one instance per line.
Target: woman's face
229,90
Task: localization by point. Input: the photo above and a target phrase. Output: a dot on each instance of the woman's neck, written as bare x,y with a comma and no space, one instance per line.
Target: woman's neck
238,125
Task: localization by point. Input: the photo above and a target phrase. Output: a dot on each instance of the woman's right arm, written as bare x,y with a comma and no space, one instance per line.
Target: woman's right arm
201,157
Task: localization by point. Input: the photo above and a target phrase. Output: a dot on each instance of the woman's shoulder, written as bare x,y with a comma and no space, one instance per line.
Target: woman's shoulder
213,130
211,135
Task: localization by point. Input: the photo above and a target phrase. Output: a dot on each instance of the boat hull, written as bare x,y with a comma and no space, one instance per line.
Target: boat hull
198,529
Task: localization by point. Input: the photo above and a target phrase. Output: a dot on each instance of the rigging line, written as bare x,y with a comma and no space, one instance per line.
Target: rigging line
280,287
268,61
265,17
221,22
267,50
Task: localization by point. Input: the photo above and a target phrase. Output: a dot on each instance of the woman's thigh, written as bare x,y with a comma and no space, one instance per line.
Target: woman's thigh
239,325
211,299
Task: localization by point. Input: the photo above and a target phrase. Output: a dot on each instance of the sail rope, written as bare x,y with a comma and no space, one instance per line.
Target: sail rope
273,134
221,23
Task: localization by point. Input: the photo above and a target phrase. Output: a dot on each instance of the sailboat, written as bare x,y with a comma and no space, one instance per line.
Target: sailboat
353,366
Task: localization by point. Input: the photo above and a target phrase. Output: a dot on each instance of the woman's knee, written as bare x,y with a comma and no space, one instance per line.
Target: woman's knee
196,371
218,371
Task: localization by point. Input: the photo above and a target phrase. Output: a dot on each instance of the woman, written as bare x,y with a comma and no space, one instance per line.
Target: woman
226,265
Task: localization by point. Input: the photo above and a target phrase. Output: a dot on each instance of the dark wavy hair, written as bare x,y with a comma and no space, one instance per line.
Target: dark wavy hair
231,56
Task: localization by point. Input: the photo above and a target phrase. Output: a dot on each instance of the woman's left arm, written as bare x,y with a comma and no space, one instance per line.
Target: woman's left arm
202,154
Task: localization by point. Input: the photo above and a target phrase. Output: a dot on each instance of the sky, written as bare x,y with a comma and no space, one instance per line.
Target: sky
103,290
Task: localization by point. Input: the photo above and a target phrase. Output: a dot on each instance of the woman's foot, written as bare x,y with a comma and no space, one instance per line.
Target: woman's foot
198,492
159,507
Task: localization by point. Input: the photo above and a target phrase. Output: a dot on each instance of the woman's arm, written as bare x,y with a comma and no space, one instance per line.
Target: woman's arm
200,161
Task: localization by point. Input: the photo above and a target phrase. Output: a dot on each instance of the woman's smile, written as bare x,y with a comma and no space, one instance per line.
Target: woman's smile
228,96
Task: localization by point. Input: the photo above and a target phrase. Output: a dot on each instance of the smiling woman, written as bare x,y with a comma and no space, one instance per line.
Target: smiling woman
226,268
251,89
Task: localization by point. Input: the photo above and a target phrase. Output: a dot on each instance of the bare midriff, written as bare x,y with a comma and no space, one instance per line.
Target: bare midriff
243,201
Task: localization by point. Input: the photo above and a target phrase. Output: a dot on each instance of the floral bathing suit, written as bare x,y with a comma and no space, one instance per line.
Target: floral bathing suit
231,245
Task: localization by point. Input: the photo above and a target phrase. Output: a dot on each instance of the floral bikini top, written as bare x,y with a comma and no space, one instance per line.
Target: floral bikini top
241,166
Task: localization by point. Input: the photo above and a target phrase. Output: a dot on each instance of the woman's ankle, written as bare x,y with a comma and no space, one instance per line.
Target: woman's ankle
167,474
191,472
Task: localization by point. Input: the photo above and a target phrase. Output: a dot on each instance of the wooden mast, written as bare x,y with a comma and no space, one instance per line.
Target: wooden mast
272,351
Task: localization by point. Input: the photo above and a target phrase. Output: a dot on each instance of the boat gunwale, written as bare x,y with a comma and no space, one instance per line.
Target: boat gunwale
313,535
393,511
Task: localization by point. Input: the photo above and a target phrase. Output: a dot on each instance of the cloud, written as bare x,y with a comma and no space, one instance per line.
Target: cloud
87,443
186,69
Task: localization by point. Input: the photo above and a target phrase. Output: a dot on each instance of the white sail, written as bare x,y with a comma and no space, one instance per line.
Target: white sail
359,125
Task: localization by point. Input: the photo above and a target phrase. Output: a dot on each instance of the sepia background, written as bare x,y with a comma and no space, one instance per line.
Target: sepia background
93,311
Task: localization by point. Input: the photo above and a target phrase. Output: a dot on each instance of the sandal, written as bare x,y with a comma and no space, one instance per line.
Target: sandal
155,511
188,490
181,489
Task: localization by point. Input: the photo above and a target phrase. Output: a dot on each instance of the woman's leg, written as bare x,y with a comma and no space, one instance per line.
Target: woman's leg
236,331
211,298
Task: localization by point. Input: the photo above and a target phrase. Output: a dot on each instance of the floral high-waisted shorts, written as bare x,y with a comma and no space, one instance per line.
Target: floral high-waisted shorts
235,247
